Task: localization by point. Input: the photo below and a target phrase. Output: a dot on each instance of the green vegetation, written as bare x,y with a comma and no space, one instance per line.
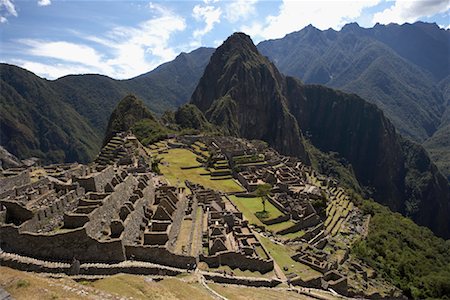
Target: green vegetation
251,208
332,165
131,113
189,116
173,167
149,131
223,113
406,254
282,255
262,191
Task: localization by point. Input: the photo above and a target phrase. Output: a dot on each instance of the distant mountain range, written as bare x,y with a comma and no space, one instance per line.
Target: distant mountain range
403,69
65,119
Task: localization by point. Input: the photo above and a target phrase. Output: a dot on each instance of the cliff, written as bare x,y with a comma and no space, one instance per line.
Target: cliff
242,92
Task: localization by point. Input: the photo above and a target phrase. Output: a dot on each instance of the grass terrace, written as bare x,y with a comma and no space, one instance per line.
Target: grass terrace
181,164
282,256
251,207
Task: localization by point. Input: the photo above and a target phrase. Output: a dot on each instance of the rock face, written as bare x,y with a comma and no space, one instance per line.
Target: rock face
403,69
398,171
242,92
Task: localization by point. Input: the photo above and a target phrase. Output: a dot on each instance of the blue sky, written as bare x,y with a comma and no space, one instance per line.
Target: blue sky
123,39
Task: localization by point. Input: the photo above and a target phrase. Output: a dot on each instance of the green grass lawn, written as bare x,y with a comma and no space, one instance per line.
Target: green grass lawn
282,255
177,158
250,206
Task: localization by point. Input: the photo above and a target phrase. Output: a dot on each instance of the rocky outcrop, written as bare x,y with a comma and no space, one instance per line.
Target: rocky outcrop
128,112
242,92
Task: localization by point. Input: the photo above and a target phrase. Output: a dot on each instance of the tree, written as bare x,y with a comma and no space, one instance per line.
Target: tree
155,164
262,191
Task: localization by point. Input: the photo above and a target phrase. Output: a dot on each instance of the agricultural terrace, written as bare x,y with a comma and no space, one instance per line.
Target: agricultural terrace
181,164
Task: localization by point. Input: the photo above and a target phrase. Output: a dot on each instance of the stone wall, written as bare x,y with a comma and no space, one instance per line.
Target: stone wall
277,204
282,218
57,208
309,221
101,217
8,183
60,246
159,255
96,182
257,282
177,217
238,260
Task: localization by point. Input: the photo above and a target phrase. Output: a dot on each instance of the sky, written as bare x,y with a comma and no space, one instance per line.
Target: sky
123,39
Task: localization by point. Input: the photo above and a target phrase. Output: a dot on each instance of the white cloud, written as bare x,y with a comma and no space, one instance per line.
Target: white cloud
130,51
53,71
209,14
410,11
294,15
44,2
238,10
7,8
68,52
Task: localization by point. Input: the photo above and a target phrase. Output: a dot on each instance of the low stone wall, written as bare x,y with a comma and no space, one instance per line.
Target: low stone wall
277,204
238,260
312,283
130,267
96,182
10,182
282,218
60,246
309,221
159,255
257,282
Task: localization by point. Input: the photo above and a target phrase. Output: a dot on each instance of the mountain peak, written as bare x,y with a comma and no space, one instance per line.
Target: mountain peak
351,27
238,41
128,111
241,92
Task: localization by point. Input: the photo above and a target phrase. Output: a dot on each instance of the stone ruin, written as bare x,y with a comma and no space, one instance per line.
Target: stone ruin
227,238
117,211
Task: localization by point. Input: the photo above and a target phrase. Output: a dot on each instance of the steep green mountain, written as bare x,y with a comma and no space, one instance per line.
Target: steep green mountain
242,92
396,67
406,254
65,119
131,114
35,121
